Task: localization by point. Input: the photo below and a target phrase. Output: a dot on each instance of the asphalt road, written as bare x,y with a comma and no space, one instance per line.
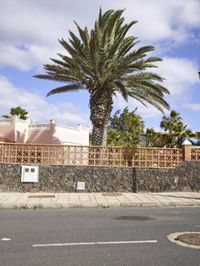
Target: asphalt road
85,227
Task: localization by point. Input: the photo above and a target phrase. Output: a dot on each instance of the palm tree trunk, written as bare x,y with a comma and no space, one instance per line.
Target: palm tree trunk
99,135
100,107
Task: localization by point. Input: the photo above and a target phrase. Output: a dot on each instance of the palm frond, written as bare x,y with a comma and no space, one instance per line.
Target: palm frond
123,89
144,87
66,88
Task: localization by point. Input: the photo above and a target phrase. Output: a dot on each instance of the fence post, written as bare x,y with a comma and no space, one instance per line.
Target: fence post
186,146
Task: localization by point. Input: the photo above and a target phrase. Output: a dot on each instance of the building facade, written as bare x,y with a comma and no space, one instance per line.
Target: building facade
24,131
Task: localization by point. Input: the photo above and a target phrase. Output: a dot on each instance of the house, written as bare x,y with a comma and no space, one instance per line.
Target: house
24,131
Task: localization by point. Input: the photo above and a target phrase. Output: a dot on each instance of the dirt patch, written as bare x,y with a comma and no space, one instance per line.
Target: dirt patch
41,196
190,238
134,218
112,194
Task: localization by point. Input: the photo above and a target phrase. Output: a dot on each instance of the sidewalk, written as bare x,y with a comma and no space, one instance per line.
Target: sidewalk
104,200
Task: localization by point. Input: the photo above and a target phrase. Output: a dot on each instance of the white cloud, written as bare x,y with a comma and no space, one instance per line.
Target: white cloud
38,108
25,59
193,106
180,74
161,20
37,24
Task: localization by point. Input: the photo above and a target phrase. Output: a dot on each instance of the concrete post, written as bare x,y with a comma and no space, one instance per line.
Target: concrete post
186,146
14,119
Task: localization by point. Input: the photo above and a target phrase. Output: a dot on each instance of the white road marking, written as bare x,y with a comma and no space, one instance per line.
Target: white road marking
5,239
95,243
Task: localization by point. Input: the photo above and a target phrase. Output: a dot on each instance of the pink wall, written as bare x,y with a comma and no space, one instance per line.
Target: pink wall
23,131
42,135
7,130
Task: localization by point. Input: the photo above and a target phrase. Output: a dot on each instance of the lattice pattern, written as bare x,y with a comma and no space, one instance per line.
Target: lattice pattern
107,156
31,154
75,155
156,157
195,154
89,155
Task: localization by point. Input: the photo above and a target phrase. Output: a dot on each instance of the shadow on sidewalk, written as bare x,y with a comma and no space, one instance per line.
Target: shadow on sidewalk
180,197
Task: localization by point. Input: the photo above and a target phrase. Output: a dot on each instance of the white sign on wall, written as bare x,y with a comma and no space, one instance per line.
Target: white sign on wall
80,186
29,174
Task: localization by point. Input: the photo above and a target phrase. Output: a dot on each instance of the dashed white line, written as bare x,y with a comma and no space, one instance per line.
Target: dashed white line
95,243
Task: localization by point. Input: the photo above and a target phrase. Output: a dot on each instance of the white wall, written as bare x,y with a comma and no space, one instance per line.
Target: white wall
72,136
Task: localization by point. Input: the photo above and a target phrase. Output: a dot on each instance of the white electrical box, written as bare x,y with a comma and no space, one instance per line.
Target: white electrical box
29,173
80,186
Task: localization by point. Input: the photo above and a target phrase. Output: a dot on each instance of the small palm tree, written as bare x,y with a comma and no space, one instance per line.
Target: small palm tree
176,129
19,111
104,63
153,138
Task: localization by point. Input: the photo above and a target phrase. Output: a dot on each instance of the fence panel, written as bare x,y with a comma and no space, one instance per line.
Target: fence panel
90,155
157,157
195,153
31,154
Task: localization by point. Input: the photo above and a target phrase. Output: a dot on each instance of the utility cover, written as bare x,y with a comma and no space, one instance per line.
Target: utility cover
80,186
29,174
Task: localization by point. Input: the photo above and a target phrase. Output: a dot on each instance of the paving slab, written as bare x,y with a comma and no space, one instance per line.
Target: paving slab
79,200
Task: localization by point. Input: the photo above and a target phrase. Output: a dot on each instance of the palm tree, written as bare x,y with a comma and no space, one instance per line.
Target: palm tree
19,111
169,123
103,63
153,138
176,129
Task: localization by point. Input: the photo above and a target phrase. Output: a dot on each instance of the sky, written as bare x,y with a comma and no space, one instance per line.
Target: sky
29,33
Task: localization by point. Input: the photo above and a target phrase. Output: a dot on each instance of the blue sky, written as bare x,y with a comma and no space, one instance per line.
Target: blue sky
28,38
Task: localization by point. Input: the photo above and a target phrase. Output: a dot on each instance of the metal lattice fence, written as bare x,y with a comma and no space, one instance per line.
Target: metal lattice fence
89,155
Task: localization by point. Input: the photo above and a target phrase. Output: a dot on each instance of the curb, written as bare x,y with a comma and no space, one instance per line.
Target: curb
95,205
173,238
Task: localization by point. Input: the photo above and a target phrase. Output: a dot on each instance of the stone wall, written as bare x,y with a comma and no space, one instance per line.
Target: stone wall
64,179
185,177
